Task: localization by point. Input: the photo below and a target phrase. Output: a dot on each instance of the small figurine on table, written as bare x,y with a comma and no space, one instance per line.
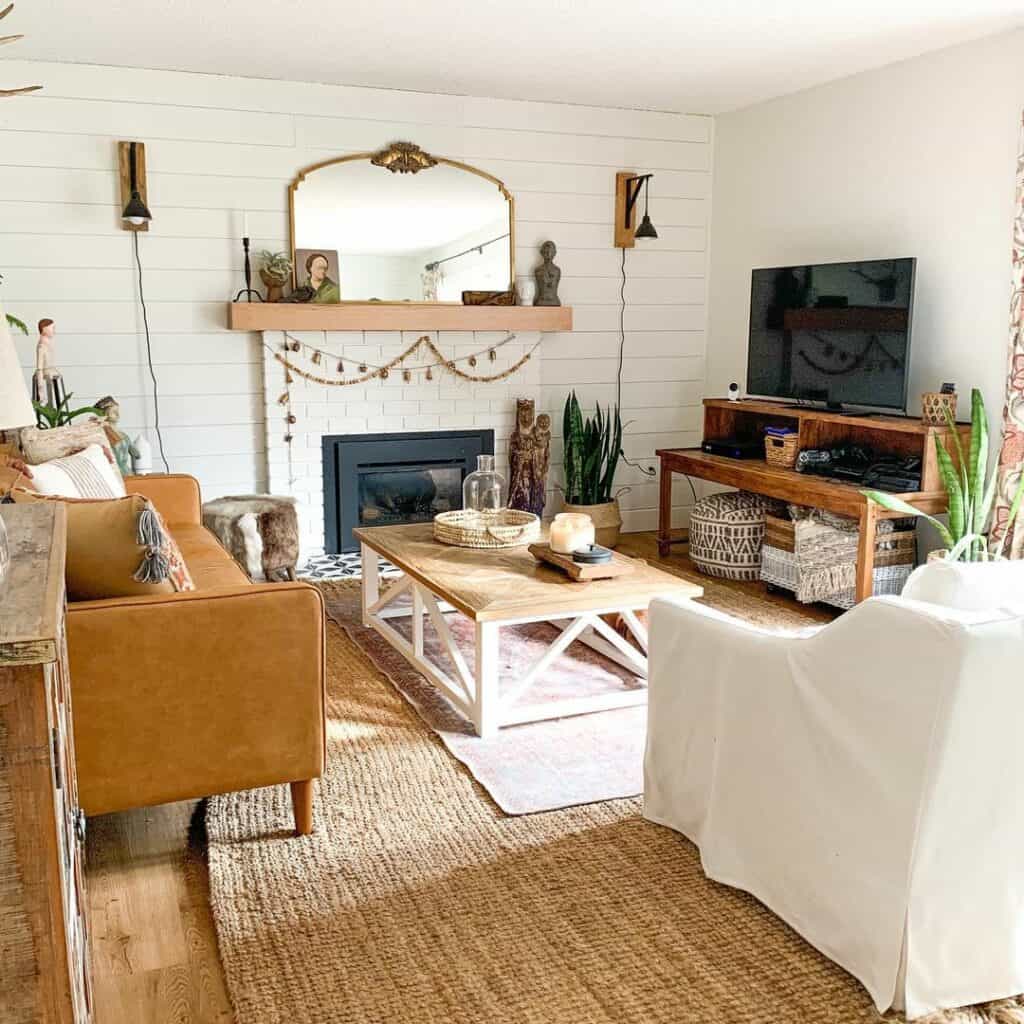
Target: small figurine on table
47,382
121,445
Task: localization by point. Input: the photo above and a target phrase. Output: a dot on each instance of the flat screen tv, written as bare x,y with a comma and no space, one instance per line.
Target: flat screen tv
836,334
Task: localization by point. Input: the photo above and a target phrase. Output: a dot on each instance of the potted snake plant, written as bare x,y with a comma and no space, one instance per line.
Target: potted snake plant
966,536
593,446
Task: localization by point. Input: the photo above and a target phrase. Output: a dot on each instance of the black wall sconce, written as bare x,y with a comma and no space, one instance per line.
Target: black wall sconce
135,215
627,192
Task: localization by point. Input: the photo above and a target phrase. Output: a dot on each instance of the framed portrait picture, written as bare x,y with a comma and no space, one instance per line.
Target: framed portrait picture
317,269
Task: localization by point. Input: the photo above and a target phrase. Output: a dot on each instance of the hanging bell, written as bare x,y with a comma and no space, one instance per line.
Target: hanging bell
430,374
288,438
295,346
316,358
283,400
291,418
362,367
288,378
492,355
407,375
341,366
472,360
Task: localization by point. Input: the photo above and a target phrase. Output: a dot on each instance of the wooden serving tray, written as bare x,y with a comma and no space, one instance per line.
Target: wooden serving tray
620,565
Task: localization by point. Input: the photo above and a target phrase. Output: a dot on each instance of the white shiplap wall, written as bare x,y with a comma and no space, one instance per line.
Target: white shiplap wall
219,146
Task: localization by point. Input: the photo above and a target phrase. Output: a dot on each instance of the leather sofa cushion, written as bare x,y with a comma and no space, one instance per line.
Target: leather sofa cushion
210,565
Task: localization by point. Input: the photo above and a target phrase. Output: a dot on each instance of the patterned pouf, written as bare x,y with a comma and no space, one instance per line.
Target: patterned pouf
726,533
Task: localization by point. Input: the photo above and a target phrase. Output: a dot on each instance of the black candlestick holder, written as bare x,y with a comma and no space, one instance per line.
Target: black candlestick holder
248,291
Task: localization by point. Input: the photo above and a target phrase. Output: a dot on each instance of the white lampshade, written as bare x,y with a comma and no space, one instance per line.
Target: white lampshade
15,406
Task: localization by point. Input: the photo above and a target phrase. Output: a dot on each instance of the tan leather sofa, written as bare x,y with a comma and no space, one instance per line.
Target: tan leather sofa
209,691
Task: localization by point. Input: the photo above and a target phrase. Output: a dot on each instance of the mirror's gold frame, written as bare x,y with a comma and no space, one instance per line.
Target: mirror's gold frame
404,158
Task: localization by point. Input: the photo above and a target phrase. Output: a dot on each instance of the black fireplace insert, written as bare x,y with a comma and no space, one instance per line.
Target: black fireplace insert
386,479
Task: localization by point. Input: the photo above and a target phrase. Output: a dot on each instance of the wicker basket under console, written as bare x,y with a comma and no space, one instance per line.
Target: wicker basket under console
504,528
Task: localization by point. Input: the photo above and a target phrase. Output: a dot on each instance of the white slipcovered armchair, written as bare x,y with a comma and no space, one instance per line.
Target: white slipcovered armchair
864,780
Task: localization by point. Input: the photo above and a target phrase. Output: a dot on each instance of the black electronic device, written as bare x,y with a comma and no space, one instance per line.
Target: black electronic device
834,334
898,474
734,448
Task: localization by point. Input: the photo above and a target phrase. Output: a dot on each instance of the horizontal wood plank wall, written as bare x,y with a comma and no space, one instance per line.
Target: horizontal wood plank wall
217,146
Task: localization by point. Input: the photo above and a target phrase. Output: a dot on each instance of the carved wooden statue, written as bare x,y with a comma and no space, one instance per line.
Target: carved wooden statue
529,457
47,382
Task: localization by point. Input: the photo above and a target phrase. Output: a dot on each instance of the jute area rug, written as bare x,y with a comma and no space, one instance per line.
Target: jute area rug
417,901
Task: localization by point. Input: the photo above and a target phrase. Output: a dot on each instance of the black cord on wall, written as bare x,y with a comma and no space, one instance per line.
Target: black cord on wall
149,356
646,470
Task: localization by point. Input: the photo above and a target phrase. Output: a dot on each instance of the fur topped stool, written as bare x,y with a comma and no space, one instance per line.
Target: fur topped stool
260,531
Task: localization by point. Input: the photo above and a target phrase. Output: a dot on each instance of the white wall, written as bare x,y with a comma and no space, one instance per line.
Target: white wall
217,146
916,159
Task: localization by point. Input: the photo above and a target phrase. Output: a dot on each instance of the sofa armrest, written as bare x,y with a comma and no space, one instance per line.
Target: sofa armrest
176,495
185,695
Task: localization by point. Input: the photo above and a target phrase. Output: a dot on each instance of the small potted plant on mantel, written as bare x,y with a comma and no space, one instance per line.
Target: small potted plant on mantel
592,450
971,493
275,271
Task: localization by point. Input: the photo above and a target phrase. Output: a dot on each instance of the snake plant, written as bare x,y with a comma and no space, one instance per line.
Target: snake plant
592,449
971,492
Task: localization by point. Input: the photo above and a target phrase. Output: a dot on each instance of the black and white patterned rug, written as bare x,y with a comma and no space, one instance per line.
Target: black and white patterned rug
340,567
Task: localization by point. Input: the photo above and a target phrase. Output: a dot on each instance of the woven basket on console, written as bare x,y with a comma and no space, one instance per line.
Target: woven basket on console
504,528
726,532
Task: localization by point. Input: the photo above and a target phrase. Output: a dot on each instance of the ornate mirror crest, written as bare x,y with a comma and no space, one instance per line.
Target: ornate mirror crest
403,158
400,237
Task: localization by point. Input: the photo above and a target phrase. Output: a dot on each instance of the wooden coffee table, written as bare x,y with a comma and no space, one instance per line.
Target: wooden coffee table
496,589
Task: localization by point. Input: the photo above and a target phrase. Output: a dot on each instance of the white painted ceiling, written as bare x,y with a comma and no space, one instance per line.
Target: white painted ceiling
697,56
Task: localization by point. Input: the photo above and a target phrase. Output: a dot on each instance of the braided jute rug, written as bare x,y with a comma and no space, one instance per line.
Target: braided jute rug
417,901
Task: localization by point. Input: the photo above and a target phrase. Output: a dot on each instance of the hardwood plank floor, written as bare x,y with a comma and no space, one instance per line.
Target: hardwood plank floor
155,958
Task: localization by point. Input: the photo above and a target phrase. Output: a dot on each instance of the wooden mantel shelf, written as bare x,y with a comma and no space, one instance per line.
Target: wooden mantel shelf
380,316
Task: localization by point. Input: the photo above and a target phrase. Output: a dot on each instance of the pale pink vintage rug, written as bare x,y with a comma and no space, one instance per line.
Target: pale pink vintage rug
539,766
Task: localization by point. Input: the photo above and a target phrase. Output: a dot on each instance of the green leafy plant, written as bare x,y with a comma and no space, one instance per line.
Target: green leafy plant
971,490
276,265
50,416
592,450
15,324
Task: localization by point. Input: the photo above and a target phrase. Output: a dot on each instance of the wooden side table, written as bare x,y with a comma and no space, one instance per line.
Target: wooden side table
43,930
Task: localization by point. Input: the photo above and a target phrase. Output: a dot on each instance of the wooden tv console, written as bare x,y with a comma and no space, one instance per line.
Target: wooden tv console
746,419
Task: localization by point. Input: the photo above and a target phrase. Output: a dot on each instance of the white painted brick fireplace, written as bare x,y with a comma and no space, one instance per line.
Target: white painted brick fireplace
384,406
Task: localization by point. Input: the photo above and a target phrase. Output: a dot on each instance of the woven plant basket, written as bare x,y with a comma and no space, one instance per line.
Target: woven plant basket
468,528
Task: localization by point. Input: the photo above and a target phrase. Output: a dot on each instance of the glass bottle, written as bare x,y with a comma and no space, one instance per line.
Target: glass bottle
485,489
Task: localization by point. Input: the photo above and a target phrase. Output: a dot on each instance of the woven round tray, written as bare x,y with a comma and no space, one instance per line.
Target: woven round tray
505,528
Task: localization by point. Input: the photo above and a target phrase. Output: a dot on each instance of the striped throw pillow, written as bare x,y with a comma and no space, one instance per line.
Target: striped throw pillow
86,474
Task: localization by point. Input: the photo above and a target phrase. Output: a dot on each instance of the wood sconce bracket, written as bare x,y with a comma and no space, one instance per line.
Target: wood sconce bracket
125,174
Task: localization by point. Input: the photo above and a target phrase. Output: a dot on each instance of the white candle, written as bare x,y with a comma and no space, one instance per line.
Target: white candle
571,531
245,225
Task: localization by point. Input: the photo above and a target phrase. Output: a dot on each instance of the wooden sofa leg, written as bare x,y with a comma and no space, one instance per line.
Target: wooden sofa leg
302,806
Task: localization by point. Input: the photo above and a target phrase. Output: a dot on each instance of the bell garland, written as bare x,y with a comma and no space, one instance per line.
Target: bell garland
367,373
292,346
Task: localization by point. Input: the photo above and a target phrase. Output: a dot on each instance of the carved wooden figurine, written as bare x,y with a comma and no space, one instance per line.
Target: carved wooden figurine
529,458
47,382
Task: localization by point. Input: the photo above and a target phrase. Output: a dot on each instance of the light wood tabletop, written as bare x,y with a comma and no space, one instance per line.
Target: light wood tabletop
507,583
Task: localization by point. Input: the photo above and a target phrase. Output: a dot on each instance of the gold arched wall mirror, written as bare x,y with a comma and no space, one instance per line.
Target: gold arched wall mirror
400,226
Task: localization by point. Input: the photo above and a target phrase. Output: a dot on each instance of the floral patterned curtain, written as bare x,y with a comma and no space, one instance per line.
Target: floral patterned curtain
1011,456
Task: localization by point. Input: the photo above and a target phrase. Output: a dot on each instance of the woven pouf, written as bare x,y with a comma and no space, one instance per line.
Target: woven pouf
726,533
260,531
